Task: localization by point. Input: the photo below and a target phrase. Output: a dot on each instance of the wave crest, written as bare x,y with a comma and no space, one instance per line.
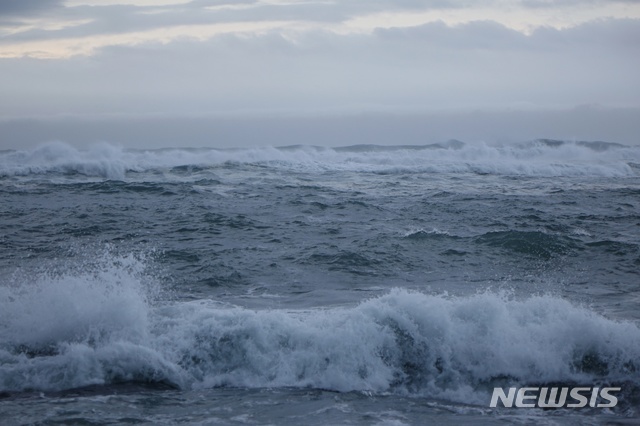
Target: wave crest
540,158
80,329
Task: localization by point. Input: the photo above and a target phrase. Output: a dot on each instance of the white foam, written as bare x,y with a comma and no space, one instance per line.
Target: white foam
534,159
89,325
76,329
418,232
101,160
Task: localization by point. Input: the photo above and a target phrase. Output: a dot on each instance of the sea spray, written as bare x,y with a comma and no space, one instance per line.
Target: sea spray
530,159
100,328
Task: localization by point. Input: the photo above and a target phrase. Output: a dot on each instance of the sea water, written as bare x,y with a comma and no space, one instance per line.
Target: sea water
310,285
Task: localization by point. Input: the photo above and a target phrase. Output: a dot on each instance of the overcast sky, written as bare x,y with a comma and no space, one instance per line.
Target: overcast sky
227,73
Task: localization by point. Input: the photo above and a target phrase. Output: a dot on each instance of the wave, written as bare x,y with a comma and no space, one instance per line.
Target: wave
538,158
422,234
105,326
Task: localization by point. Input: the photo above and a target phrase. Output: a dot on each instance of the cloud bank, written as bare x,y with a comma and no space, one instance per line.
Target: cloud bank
276,58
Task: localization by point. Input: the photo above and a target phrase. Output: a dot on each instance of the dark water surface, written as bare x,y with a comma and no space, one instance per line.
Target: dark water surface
356,285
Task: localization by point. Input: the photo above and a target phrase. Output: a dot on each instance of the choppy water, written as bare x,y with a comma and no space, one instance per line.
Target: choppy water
359,285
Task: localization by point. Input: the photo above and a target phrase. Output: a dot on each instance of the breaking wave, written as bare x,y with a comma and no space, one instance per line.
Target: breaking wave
105,326
538,158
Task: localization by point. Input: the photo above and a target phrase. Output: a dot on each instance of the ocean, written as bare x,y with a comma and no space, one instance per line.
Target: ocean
366,284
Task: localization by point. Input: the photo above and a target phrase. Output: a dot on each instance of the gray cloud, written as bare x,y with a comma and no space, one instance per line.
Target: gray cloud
27,7
569,3
617,34
431,66
401,72
474,35
114,19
